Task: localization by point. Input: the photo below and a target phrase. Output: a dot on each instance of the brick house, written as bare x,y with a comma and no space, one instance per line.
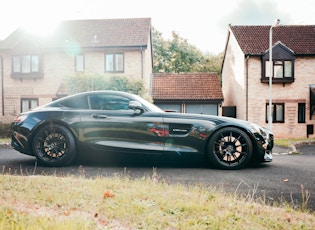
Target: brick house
245,77
32,67
187,92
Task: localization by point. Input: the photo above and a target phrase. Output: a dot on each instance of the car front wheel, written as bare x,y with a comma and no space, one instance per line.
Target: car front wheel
54,145
230,148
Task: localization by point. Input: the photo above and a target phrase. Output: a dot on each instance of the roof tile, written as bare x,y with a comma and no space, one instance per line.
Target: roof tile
255,39
186,86
91,33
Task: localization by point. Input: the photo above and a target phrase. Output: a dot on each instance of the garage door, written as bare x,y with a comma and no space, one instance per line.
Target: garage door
211,109
170,107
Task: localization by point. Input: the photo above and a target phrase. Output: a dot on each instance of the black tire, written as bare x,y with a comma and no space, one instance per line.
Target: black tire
229,148
54,145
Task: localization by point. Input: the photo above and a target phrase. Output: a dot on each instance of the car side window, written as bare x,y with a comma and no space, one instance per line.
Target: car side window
108,102
75,103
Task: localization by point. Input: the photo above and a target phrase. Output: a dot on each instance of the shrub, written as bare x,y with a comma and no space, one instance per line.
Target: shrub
5,131
83,82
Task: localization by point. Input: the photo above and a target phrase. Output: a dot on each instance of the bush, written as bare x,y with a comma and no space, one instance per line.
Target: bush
83,82
5,131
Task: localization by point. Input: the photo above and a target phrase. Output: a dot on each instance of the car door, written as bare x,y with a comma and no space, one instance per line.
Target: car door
110,124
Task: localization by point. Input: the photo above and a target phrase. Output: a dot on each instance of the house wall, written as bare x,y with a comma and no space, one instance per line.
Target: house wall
148,68
258,94
235,70
56,67
233,81
94,62
290,94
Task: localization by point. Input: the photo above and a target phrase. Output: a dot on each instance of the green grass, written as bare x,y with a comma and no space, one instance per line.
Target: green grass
5,140
54,202
287,142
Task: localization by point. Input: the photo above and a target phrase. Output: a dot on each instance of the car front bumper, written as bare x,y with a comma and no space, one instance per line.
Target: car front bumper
268,156
264,146
268,146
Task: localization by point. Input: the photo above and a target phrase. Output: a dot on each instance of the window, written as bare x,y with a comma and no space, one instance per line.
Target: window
26,66
277,112
114,62
80,63
301,113
282,65
312,100
28,104
282,71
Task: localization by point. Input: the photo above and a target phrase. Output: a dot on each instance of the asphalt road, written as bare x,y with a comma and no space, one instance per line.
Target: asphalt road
288,178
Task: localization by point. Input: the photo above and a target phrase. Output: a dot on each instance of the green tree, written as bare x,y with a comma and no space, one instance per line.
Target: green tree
178,56
82,82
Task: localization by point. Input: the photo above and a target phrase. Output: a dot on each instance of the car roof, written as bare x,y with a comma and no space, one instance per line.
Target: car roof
69,97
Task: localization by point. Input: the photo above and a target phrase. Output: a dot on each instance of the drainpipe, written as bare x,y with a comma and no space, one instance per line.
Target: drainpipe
142,65
246,97
2,86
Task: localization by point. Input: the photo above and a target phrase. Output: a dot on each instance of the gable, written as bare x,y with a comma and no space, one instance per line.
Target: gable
279,52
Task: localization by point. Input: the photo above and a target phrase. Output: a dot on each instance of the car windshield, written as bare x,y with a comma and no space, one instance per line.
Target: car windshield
148,105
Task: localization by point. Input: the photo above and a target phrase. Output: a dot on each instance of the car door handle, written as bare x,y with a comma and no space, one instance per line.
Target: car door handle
99,116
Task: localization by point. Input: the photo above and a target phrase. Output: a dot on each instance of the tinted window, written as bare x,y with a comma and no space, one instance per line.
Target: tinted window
301,113
108,102
74,102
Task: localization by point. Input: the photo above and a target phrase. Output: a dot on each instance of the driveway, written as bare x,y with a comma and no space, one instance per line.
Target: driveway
288,178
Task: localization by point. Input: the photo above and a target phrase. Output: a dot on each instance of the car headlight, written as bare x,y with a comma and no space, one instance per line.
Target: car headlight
262,131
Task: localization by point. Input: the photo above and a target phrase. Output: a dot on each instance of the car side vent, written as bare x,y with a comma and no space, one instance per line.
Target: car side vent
179,129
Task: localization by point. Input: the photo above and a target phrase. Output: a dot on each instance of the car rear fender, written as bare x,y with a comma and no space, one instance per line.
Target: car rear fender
51,123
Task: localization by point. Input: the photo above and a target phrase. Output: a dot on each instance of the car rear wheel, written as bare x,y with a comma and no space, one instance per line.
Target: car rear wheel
230,148
54,145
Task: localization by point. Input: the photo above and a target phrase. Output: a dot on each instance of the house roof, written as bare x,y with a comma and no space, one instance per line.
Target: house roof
129,32
255,39
186,86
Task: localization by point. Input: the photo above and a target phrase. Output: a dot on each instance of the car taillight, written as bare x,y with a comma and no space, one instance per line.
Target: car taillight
20,118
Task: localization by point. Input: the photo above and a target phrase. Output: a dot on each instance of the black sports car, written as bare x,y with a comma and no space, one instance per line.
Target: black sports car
109,121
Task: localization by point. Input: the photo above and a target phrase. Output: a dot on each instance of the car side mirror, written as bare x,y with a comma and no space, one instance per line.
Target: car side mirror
136,105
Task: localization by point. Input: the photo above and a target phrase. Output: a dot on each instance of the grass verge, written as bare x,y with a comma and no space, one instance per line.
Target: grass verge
288,142
5,140
53,202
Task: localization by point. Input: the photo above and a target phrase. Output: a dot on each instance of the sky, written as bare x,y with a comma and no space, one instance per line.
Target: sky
204,23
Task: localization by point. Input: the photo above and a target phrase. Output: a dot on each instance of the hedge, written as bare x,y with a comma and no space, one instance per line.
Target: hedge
5,131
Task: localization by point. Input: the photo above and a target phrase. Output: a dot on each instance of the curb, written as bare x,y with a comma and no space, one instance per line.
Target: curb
281,150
